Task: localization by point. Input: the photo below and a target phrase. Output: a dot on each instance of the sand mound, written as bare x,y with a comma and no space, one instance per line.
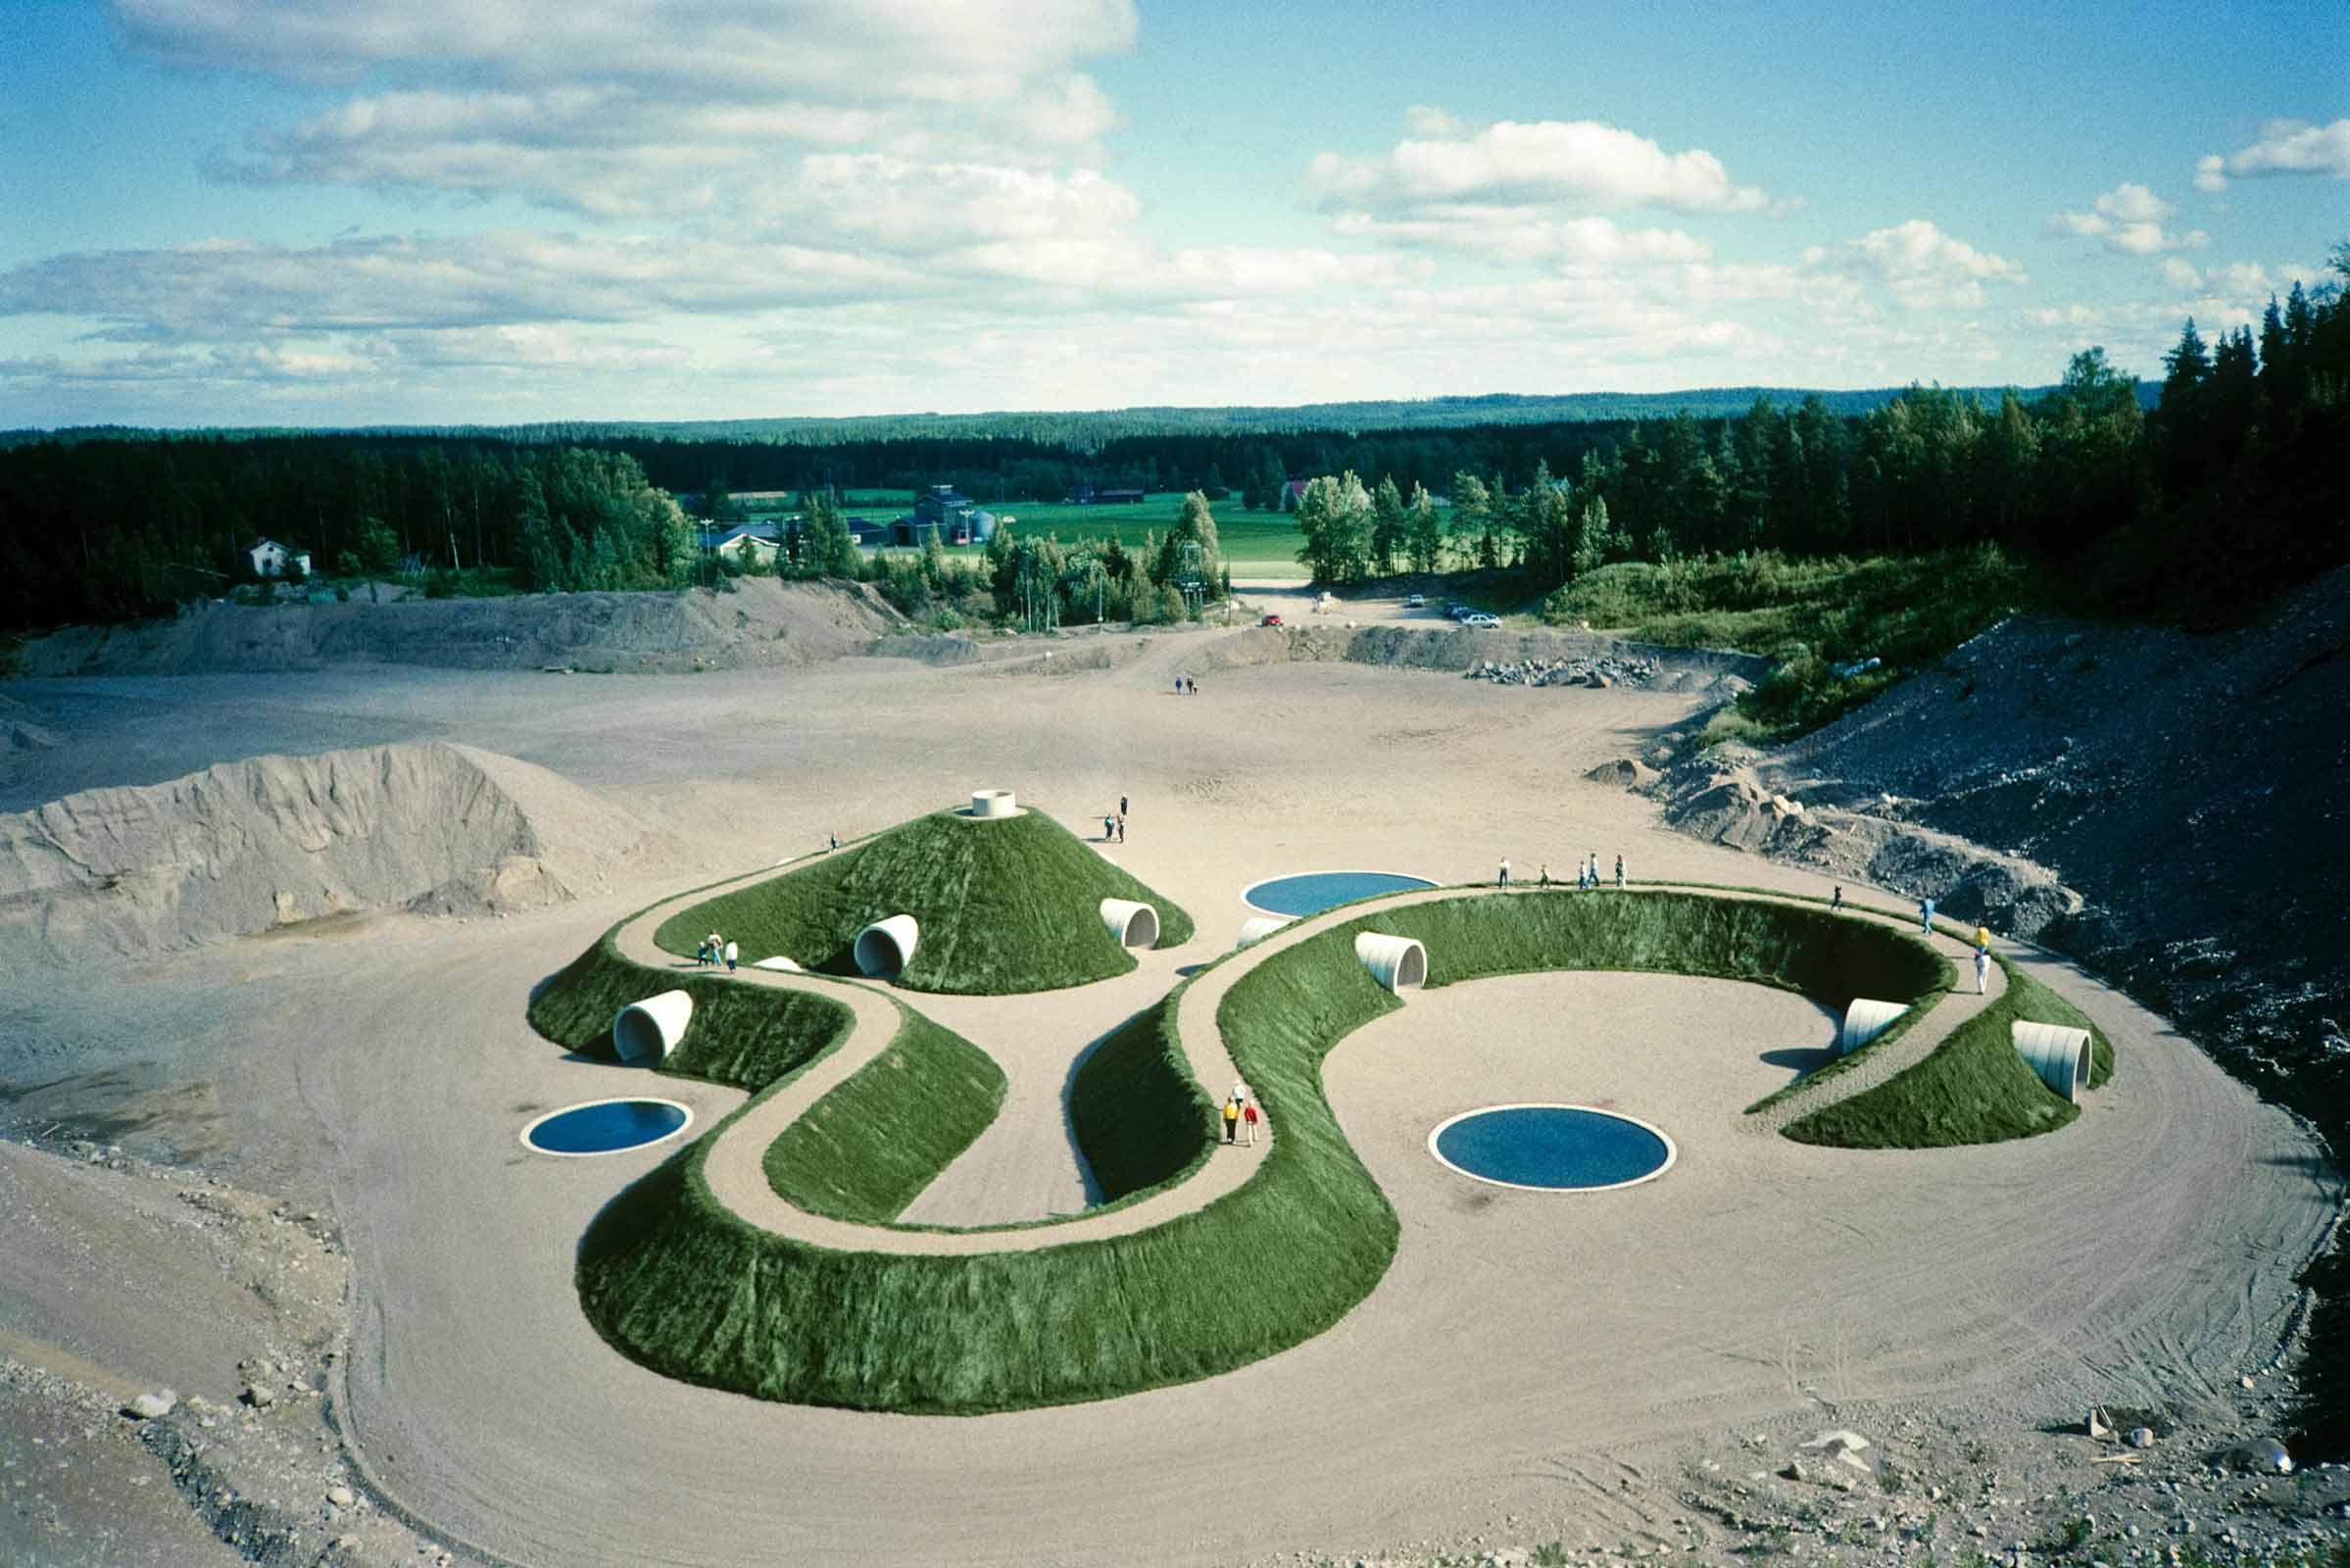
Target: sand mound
1625,774
275,841
764,622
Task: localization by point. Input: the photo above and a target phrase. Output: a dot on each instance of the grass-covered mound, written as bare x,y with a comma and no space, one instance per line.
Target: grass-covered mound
1004,905
741,1035
1974,1088
872,1144
680,1284
1139,1116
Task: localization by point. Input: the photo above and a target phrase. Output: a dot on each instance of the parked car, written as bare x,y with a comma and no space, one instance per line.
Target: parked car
1270,620
1415,601
1479,619
1459,612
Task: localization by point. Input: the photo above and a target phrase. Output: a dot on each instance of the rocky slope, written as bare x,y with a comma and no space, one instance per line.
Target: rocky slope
275,841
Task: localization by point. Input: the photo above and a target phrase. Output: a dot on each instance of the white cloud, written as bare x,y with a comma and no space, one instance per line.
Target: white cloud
1925,268
2129,219
1426,120
1513,234
2283,147
2180,276
1545,163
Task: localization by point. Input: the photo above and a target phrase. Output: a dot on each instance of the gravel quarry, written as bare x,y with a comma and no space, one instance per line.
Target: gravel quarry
263,1154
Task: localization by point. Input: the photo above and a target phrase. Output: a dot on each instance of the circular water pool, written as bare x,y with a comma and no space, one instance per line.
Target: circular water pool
606,1126
1552,1149
1312,892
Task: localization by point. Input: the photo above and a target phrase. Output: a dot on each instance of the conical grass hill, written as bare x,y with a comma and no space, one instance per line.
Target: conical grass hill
1004,905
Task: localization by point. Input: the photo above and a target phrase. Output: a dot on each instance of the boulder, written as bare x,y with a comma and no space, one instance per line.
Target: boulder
152,1407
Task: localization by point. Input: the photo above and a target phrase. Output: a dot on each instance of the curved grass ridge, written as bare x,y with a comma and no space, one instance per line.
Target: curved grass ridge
1974,1088
1005,906
878,1138
1139,1116
678,1282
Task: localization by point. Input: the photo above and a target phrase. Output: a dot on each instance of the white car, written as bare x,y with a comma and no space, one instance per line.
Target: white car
1415,601
1479,619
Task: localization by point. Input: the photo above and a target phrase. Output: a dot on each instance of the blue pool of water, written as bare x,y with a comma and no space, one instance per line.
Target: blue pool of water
1552,1146
606,1127
1315,891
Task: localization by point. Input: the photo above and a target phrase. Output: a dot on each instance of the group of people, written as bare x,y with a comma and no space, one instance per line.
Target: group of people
1113,824
1587,873
1240,1112
1982,942
1185,686
716,950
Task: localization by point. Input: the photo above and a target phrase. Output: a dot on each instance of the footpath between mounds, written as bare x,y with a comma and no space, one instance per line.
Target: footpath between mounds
734,1161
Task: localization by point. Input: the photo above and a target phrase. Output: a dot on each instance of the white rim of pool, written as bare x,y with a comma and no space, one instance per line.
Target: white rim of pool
609,1099
1672,1150
1426,885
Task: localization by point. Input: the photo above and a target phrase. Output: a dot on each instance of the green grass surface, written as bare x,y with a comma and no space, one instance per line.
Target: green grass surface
1004,906
1974,1088
678,1283
739,1034
872,1144
1139,1116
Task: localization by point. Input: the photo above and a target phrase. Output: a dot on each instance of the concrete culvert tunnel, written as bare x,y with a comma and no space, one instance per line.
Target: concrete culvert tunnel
2060,1055
1399,964
1135,925
886,946
1259,928
644,1033
1864,1020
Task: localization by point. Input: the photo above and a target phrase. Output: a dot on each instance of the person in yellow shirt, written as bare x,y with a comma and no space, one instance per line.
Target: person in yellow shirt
1232,1121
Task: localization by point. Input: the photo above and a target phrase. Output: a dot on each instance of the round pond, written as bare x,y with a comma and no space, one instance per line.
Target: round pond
606,1126
1312,892
1552,1149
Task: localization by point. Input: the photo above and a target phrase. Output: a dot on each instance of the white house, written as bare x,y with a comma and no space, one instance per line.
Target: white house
747,545
269,559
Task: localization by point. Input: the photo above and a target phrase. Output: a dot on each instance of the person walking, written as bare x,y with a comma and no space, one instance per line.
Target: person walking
1248,1118
1232,1121
1121,805
1835,900
1121,827
1109,827
1619,873
1179,685
1925,918
1983,938
1594,868
836,841
1983,970
733,953
1503,880
715,945
1543,880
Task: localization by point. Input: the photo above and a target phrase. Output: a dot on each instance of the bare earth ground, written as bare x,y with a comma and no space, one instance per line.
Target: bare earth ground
1589,1368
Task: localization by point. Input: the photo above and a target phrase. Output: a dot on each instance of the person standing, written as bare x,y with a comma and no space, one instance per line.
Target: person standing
1836,899
836,841
1249,1117
1543,880
1982,969
733,952
1925,918
1503,880
1121,827
1594,865
1232,1121
1983,938
1619,873
1110,828
1121,805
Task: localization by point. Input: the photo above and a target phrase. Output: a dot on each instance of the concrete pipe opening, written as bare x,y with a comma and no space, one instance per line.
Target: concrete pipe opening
886,946
1135,925
2060,1055
1258,928
993,802
1399,964
1864,1020
644,1033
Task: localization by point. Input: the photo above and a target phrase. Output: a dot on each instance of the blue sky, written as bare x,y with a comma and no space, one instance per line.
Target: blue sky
336,212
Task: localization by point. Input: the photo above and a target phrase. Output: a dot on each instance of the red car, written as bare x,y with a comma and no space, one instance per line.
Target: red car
1270,620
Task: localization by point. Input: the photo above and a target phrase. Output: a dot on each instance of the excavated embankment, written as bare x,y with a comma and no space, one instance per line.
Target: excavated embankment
762,622
275,841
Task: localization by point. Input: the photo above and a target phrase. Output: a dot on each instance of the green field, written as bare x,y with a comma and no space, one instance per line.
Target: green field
1256,544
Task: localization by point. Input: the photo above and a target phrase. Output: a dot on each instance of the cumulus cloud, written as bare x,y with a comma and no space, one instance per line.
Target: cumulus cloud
1514,234
2129,219
1426,120
2283,147
1925,268
1544,164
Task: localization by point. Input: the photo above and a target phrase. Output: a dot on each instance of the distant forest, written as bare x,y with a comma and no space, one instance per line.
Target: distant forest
102,527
